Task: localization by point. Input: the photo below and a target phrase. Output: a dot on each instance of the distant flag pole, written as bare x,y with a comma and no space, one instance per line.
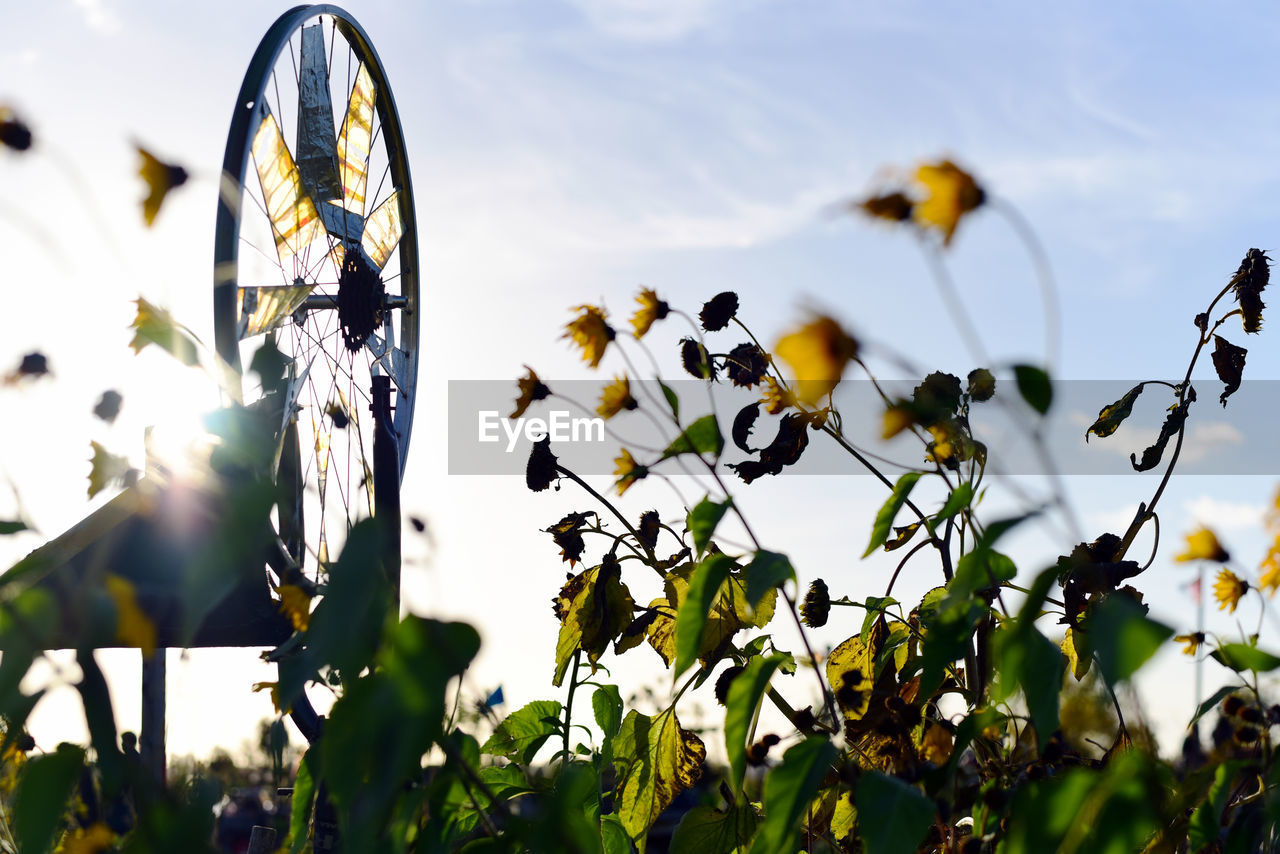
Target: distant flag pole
1197,593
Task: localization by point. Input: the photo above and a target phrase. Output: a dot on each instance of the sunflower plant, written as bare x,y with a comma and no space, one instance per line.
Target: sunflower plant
937,724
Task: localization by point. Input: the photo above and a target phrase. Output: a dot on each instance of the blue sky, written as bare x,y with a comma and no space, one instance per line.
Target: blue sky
568,152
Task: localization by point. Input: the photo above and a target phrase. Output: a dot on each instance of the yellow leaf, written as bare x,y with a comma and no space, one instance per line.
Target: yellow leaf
660,759
154,325
93,839
1073,649
937,744
817,353
133,627
851,673
730,612
594,607
274,688
107,469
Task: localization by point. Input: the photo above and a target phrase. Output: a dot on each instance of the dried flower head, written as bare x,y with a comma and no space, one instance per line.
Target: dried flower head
541,470
718,311
816,606
1250,278
746,365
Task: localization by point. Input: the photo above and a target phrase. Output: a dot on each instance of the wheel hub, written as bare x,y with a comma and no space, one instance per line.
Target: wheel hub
361,297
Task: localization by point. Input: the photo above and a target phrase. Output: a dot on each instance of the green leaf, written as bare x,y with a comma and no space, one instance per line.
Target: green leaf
1111,417
1034,386
1214,699
704,518
613,836
154,325
884,519
606,704
691,619
1239,656
745,694
12,527
701,437
1024,657
958,500
41,797
524,731
893,816
1123,638
980,569
672,400
1207,819
711,831
788,789
657,759
300,805
766,571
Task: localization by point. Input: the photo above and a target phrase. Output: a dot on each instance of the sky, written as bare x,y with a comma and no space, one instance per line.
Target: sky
570,152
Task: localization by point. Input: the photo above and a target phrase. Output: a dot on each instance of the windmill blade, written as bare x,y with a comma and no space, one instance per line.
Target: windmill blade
317,145
266,308
355,140
293,216
382,231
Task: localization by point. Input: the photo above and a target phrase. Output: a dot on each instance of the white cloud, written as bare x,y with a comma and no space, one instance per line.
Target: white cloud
650,20
1225,515
98,17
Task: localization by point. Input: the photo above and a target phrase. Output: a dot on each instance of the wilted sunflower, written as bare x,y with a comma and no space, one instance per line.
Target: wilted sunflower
696,360
1249,281
952,193
616,397
746,365
1228,589
649,527
1202,544
895,207
628,471
982,385
1193,642
816,606
817,353
160,178
14,132
531,389
590,331
651,309
541,470
718,311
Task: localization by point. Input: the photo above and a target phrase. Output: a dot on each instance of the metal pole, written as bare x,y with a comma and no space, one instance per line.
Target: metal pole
262,840
151,740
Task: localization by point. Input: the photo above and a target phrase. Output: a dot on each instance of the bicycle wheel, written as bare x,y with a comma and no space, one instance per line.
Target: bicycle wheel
316,249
